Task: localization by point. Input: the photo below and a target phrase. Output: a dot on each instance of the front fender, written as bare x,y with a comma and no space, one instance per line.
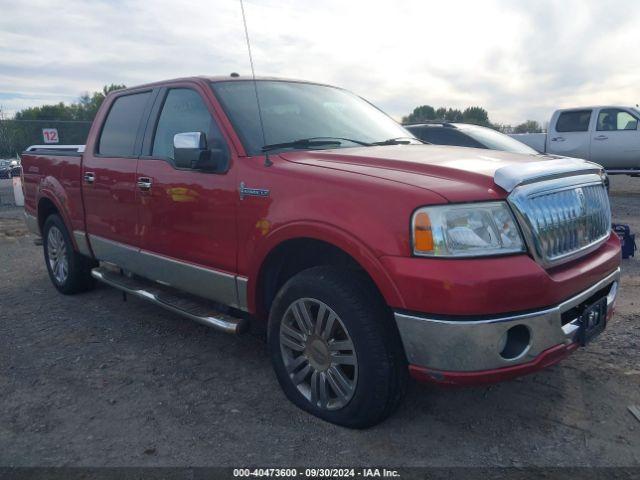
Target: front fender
332,235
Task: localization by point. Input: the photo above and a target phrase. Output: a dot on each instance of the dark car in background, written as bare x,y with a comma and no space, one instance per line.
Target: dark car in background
6,170
10,168
466,135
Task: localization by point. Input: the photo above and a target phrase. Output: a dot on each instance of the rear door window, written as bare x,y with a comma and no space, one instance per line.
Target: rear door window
574,121
120,130
610,119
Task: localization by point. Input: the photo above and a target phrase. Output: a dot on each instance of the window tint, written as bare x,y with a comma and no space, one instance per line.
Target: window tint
119,132
183,111
450,136
576,121
494,140
419,131
614,119
293,111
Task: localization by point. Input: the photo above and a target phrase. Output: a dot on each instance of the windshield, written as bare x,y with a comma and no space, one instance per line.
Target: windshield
494,140
293,111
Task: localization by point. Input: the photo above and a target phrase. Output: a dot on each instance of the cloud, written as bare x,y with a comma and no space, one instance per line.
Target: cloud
518,59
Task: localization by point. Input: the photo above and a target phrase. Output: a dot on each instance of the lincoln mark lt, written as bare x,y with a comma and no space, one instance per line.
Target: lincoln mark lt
368,255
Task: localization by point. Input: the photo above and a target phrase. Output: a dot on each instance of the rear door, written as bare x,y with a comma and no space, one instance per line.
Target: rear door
615,142
569,133
187,216
109,177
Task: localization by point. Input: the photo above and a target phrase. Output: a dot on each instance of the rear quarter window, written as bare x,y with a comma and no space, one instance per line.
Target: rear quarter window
120,129
574,121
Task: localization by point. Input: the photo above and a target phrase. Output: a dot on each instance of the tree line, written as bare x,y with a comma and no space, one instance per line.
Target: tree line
72,122
85,109
474,115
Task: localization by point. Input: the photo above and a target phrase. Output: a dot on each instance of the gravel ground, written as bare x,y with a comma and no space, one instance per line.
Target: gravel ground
89,380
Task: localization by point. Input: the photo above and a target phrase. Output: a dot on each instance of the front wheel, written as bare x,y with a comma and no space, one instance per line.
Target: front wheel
69,271
335,350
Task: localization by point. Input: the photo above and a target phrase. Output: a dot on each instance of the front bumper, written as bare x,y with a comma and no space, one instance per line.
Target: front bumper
440,345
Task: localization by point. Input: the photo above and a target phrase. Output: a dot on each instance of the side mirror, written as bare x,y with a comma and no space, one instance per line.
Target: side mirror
190,151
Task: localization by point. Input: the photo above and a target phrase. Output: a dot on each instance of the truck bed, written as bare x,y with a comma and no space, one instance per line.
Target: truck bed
56,171
537,141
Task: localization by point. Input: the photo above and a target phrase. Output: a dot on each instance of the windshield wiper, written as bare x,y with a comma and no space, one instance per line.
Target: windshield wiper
313,142
398,141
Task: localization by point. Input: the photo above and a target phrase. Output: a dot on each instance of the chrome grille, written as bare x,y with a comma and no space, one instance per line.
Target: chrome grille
563,221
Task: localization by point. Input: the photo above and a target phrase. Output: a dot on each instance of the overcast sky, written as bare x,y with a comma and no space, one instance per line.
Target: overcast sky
518,59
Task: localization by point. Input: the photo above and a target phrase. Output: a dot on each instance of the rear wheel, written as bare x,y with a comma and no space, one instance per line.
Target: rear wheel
336,353
69,271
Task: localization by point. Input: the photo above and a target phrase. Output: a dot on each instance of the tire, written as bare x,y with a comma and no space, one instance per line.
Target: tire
362,344
69,271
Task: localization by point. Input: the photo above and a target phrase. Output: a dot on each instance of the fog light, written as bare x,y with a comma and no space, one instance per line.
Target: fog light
514,342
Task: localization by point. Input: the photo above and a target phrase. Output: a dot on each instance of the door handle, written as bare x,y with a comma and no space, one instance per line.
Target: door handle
144,183
89,177
557,139
601,137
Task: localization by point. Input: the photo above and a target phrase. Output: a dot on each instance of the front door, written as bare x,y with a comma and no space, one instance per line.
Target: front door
187,216
109,176
616,142
569,134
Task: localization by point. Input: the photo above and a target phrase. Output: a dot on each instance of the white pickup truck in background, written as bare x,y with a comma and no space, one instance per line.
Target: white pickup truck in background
607,135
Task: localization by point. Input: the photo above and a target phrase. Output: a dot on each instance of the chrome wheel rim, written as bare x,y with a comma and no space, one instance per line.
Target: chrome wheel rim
57,254
318,354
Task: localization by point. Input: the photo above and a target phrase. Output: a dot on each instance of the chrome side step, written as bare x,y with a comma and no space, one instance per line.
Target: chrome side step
193,308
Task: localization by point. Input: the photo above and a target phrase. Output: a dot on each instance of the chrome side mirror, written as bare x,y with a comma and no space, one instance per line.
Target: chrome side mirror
190,140
190,150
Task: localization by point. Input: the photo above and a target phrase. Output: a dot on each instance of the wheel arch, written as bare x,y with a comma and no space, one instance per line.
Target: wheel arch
305,245
48,205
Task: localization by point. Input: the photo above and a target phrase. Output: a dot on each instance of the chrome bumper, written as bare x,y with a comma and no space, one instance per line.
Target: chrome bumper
472,345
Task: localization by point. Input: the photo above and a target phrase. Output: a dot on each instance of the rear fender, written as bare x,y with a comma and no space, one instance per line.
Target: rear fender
52,190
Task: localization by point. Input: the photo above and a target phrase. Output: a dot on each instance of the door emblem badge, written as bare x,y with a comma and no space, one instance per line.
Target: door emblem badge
252,192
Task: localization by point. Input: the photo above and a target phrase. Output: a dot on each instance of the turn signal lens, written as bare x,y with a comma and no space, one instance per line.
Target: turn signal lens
465,230
422,234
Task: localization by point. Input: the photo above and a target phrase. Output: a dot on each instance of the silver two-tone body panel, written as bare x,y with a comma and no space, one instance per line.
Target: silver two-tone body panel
222,287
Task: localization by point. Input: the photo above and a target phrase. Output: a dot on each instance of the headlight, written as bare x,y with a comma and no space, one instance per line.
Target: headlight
466,230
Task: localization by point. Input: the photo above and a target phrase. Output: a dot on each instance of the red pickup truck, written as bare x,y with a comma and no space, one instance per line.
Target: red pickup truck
367,254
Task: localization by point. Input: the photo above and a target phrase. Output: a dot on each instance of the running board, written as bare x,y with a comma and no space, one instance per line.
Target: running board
189,306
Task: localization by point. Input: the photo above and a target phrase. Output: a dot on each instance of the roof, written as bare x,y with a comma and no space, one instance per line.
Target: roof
221,78
430,124
458,125
593,107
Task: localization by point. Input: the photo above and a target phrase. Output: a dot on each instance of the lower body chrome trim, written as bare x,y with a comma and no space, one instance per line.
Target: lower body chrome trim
82,243
241,286
472,345
204,282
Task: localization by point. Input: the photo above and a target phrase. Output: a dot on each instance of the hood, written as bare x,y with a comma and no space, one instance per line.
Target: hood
458,174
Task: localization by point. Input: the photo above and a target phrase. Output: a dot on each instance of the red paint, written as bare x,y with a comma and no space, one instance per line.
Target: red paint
546,359
358,199
488,286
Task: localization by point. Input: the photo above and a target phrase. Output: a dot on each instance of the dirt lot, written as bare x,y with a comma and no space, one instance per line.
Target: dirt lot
92,381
